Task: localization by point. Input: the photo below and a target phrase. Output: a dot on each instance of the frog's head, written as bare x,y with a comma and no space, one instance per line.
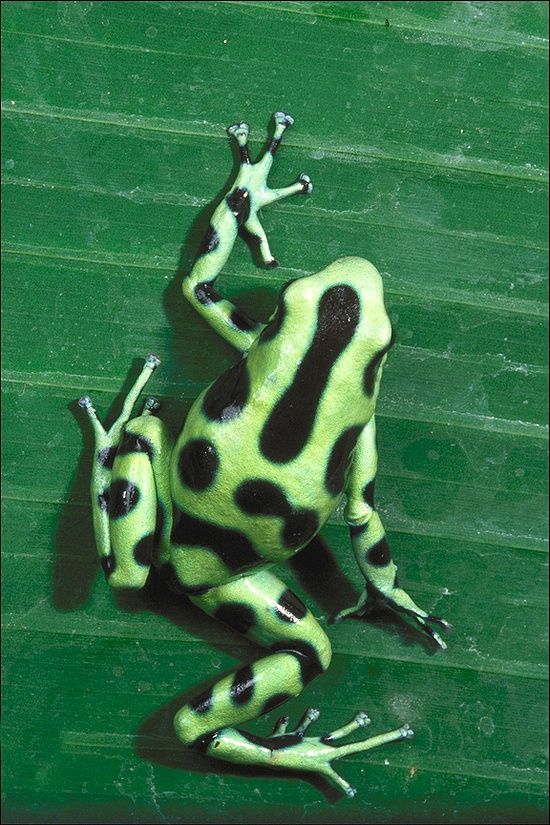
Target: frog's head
341,306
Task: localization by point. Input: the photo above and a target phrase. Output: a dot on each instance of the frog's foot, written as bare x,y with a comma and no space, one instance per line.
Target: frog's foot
240,132
306,183
282,119
109,439
400,601
295,751
151,405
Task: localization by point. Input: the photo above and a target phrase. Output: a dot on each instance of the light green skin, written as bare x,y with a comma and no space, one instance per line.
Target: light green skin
299,646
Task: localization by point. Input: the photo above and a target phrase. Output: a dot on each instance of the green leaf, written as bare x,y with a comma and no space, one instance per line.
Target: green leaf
423,127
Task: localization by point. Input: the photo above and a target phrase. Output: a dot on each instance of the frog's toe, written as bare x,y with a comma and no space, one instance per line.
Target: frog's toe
238,130
86,403
282,119
307,185
446,626
360,720
281,725
152,361
151,404
351,613
311,715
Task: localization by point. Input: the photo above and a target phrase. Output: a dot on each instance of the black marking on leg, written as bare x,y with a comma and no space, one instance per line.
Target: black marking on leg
369,376
143,551
290,608
368,493
274,145
203,702
108,563
238,202
206,294
103,500
242,688
273,327
106,457
123,497
289,426
198,464
307,656
338,463
238,616
232,547
243,152
274,702
379,554
241,321
210,242
227,396
357,529
258,497
202,743
132,443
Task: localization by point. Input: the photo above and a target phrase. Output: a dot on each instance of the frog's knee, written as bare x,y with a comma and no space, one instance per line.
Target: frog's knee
324,649
313,656
186,727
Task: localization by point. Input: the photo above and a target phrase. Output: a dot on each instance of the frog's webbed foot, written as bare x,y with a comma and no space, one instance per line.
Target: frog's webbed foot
296,751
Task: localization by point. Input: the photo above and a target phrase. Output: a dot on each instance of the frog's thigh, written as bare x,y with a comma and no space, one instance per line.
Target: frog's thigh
262,608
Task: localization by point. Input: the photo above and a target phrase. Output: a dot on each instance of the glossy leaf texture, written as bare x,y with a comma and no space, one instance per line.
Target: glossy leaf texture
424,128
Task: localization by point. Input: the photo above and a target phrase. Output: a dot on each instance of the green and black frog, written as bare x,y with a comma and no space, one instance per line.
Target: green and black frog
265,455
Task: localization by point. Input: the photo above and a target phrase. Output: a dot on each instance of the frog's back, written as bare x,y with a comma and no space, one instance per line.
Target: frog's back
265,449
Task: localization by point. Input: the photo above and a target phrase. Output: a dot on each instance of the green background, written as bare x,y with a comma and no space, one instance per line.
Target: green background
423,127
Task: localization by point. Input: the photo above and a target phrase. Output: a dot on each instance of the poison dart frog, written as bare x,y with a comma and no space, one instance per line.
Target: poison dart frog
266,453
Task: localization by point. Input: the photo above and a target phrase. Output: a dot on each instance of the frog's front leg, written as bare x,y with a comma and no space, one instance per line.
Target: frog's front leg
261,607
238,210
370,545
130,488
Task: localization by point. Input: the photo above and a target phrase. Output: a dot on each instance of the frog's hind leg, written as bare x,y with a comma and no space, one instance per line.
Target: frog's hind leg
130,487
262,608
106,443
